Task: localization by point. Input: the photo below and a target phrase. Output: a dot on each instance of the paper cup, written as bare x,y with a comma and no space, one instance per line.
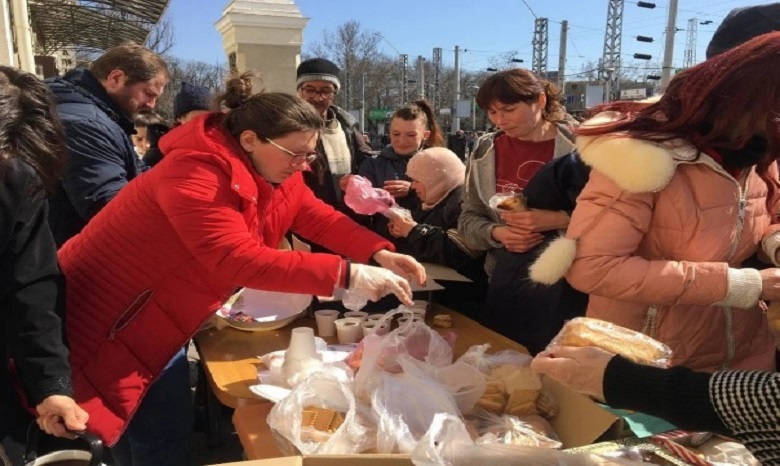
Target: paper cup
326,319
357,314
376,317
372,326
420,304
349,330
301,344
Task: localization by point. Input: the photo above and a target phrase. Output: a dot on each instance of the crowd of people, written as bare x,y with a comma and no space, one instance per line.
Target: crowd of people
123,233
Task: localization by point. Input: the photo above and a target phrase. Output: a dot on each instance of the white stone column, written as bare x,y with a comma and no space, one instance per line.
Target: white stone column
23,33
264,35
6,36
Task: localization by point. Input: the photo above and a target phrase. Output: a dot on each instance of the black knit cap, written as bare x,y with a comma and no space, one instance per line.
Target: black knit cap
743,24
318,69
191,97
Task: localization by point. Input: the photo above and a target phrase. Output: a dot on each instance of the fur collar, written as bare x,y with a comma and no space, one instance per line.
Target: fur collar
635,165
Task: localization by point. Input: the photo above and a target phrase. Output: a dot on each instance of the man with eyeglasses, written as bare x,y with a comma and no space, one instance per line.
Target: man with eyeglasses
342,147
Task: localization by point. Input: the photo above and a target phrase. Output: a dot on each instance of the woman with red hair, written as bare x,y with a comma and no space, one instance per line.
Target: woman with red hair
681,192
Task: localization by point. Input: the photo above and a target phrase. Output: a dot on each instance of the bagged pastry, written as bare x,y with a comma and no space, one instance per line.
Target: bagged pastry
632,345
508,202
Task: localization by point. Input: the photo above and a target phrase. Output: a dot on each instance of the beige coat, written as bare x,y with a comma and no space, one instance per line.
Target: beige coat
657,239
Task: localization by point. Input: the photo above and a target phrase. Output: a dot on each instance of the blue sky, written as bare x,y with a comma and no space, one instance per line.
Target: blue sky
484,28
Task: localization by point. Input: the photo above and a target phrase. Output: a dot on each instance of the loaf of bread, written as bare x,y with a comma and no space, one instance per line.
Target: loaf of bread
635,346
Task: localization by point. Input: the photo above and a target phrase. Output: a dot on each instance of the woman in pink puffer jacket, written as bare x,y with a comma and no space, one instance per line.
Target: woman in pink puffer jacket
681,192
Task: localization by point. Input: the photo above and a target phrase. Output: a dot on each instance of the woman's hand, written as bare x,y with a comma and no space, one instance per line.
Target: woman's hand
397,188
401,264
400,227
770,284
537,220
376,282
344,181
58,412
581,369
515,240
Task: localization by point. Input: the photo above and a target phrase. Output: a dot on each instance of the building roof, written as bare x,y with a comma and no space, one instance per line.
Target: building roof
94,24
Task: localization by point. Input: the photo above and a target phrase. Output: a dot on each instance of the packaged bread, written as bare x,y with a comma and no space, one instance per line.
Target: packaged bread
530,431
508,202
632,345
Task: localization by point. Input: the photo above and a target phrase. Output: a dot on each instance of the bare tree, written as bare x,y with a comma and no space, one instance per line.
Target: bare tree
161,36
506,60
190,71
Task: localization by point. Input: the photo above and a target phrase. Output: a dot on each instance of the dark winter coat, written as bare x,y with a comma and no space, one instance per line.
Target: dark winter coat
31,302
101,157
516,307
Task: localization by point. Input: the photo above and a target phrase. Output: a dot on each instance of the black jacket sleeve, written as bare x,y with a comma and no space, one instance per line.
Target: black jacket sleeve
557,184
678,395
32,292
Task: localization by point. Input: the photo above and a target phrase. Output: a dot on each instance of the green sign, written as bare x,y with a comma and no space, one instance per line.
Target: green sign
379,114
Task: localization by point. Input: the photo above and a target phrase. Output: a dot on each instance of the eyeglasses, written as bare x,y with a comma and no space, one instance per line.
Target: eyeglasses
310,92
297,159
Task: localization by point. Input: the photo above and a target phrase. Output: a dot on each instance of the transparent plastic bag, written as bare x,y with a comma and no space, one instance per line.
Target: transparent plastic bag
530,431
447,443
508,202
328,390
405,405
632,345
464,382
380,352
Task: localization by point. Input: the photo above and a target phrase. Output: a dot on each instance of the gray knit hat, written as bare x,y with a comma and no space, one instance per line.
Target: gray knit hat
318,69
743,24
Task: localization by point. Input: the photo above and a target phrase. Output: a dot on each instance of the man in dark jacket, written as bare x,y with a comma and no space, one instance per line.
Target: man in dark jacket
457,143
342,145
96,106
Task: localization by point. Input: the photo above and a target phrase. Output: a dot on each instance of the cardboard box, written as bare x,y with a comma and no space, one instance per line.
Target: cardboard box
579,422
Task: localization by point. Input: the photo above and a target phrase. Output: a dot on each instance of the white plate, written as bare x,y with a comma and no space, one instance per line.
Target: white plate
269,310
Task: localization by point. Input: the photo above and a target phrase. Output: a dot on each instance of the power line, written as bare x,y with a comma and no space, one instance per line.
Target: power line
529,9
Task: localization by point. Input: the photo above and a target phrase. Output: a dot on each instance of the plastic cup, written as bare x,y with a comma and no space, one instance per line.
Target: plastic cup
301,344
376,317
420,304
406,319
372,326
349,330
357,314
326,319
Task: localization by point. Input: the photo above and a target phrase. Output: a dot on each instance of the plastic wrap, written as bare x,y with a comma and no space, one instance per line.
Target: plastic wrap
530,431
508,202
635,346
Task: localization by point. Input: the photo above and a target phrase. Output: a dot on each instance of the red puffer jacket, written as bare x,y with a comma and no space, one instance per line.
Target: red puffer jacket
169,249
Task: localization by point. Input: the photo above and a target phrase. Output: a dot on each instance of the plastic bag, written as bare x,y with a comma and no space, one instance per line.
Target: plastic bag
365,199
447,443
464,382
530,431
329,390
380,352
632,345
405,405
508,202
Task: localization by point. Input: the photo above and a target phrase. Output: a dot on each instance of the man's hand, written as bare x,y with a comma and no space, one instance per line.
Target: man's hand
515,240
581,369
400,227
58,412
343,182
397,188
401,264
536,220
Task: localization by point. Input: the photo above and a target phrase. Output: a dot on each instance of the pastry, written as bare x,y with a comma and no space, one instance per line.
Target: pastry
442,321
635,346
546,405
522,402
512,204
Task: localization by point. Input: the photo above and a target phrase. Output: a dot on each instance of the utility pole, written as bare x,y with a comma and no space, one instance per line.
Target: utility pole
421,75
690,44
540,47
671,29
455,119
562,55
404,64
437,78
363,103
609,72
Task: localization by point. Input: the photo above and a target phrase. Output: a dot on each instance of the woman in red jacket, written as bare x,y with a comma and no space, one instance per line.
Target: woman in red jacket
174,244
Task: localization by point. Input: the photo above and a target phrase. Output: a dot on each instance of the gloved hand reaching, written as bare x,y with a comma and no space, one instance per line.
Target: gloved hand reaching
376,282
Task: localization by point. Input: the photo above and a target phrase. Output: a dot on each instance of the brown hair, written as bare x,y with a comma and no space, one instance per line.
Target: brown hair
146,118
739,88
138,62
30,129
422,109
269,114
519,85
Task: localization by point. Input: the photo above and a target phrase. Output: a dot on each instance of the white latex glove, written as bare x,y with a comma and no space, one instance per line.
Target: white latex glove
401,264
376,282
581,369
